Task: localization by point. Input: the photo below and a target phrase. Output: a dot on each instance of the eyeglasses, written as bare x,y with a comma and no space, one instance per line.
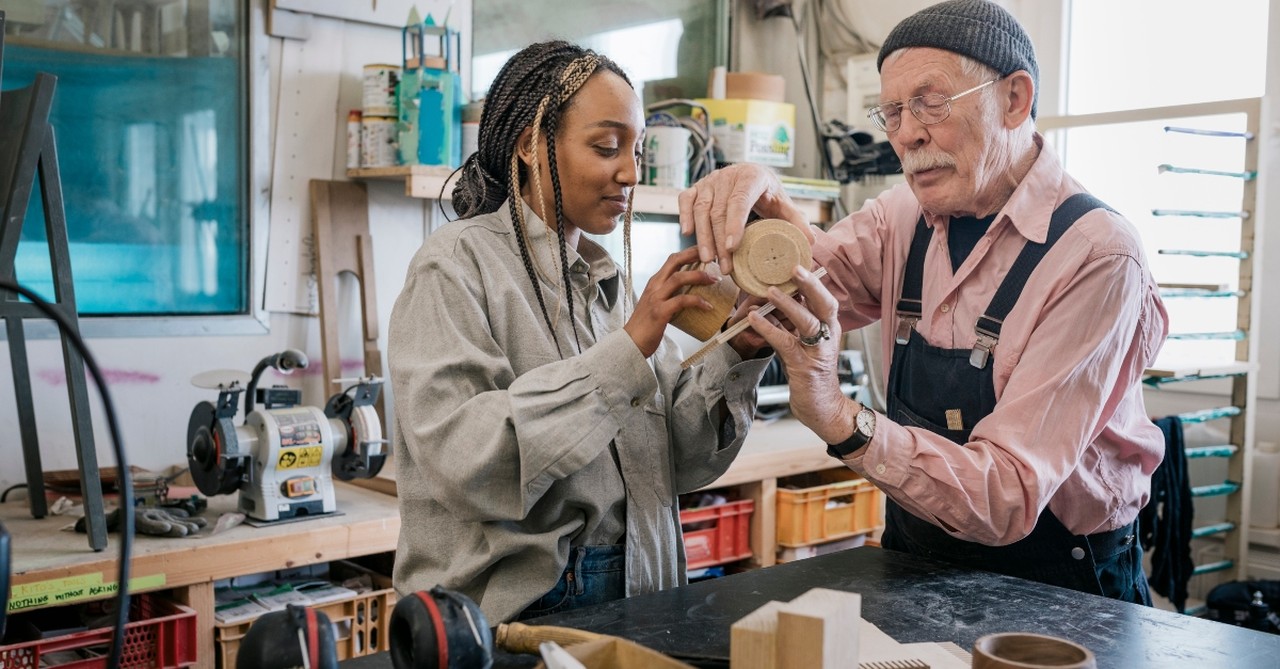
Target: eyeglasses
930,109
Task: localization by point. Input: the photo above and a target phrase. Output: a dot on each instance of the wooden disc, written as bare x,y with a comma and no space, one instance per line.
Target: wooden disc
770,249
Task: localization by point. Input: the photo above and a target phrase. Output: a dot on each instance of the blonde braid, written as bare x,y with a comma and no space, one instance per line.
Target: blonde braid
626,246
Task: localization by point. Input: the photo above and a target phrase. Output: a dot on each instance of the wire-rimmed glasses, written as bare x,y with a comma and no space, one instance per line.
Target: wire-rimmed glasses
929,109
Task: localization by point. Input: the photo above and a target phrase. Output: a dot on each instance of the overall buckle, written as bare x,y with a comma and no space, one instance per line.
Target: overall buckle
905,325
982,349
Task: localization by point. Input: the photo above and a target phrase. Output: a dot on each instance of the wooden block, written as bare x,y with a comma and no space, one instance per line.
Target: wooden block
752,641
819,630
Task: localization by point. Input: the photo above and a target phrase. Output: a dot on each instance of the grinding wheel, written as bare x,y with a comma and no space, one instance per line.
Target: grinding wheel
770,250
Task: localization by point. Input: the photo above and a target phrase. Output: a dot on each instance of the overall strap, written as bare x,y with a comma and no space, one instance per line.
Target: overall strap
989,324
910,307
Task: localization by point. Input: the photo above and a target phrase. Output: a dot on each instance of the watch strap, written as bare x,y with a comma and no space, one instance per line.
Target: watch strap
855,441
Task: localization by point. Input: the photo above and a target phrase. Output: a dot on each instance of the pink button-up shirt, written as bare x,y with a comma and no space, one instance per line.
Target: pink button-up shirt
1069,428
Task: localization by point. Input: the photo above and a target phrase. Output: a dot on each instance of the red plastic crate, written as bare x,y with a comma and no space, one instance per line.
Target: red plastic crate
726,541
160,634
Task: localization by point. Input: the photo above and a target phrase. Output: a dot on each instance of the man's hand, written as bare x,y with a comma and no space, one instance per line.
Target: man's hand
812,369
716,209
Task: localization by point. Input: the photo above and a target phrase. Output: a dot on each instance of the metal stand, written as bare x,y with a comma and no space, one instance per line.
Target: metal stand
27,146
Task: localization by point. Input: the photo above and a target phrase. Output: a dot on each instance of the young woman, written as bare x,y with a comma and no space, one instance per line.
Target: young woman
543,424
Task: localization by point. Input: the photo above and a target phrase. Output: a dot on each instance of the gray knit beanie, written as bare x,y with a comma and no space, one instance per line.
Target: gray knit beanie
979,29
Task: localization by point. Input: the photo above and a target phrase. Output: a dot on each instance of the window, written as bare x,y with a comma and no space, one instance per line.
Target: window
150,114
1184,54
666,47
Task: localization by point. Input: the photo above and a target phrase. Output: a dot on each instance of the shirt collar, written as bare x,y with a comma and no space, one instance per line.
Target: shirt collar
589,258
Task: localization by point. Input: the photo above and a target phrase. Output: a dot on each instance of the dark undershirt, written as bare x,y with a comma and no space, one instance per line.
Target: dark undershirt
963,234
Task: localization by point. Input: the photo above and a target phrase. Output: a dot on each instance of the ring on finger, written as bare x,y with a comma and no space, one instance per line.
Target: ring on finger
823,333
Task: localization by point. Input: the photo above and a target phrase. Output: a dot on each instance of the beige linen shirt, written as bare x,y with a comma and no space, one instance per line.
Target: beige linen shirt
508,451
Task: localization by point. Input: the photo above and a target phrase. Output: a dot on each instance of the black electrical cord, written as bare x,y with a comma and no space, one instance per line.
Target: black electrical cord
828,169
4,496
126,483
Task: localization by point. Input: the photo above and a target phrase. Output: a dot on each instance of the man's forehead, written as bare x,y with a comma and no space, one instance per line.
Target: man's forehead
919,70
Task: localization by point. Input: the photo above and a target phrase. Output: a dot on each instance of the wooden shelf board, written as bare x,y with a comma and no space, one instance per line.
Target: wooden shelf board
427,182
368,522
1179,369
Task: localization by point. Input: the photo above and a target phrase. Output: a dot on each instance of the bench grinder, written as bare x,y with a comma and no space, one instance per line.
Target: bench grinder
283,458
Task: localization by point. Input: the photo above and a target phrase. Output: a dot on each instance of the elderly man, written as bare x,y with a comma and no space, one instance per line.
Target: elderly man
1019,314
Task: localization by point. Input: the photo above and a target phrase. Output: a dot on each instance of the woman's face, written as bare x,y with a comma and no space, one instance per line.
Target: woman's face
598,148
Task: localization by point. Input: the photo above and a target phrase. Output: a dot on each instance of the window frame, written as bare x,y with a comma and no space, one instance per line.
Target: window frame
256,321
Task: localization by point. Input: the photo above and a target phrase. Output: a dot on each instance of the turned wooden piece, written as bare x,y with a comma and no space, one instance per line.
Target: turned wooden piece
770,249
1023,650
722,295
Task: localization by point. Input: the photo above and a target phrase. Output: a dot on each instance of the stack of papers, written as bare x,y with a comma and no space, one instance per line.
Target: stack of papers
235,605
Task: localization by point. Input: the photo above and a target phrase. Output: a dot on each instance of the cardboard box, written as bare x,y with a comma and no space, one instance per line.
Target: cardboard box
753,131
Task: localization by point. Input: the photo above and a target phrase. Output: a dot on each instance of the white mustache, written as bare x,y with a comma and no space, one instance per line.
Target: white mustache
919,161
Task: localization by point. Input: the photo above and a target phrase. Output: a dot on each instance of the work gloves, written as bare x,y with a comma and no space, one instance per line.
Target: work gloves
168,522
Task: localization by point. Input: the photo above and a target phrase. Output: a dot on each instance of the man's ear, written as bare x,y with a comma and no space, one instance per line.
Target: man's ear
1020,96
524,146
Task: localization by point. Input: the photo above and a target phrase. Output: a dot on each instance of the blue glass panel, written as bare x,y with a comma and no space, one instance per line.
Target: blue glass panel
153,170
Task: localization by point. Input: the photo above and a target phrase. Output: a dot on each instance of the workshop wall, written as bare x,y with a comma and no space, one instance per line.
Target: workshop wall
149,376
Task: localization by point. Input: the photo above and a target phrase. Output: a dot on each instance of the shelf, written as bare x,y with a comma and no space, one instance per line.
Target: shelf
427,182
1190,369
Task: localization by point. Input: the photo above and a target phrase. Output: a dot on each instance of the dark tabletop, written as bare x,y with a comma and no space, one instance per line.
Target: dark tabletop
913,600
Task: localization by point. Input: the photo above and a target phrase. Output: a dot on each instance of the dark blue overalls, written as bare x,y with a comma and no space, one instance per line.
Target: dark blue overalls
947,391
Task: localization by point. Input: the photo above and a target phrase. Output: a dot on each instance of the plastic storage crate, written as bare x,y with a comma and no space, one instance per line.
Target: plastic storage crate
362,624
160,634
829,505
726,540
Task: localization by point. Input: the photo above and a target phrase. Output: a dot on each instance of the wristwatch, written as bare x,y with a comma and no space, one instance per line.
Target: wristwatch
864,428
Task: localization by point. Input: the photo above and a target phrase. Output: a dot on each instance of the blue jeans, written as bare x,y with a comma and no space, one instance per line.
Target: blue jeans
594,575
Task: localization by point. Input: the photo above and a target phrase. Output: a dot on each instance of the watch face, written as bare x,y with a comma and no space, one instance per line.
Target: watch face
866,422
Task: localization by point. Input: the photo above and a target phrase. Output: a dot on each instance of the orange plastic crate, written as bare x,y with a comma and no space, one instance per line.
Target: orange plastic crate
834,505
160,634
726,541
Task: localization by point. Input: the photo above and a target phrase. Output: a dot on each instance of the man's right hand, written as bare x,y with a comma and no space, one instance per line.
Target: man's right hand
716,209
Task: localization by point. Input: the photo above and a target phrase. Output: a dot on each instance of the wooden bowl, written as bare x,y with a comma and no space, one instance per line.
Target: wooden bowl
770,249
1023,650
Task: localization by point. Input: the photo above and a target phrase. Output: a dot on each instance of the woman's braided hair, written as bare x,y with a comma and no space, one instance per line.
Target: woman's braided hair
532,90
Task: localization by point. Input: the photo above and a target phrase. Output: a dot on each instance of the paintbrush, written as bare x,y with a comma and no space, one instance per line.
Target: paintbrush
733,331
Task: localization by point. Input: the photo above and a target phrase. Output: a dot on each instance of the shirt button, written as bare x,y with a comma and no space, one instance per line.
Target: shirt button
635,401
946,308
733,376
1077,553
880,468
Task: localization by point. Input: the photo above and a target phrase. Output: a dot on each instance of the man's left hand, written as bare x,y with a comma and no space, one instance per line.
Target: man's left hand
810,355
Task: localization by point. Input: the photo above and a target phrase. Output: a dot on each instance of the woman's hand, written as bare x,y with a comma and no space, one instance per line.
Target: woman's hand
664,297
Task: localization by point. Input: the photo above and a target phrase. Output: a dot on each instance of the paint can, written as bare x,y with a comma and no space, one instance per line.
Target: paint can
378,146
666,156
380,81
354,119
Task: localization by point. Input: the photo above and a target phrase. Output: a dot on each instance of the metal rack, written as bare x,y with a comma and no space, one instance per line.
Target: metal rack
1233,527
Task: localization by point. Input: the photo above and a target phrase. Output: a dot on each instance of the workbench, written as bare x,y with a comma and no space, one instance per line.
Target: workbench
55,567
914,599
